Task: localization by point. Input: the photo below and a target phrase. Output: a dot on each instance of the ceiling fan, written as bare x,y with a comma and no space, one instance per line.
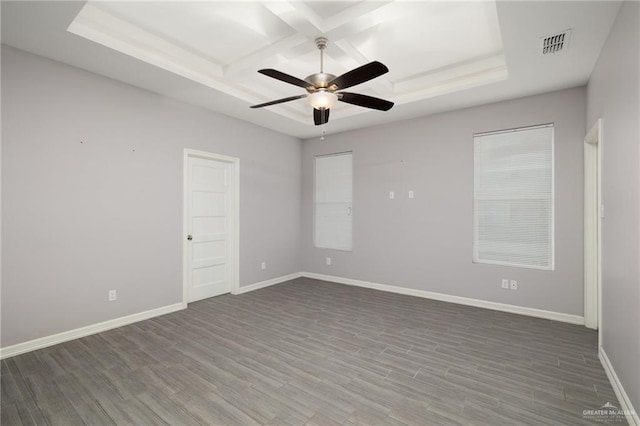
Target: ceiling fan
325,89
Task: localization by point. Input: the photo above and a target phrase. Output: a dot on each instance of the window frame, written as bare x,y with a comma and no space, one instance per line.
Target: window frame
315,202
552,198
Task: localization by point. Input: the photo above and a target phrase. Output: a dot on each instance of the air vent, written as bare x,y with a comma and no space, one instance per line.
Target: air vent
555,43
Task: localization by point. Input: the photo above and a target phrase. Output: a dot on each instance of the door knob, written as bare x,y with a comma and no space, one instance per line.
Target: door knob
189,237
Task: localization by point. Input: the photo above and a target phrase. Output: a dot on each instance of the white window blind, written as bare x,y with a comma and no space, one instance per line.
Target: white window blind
513,198
333,201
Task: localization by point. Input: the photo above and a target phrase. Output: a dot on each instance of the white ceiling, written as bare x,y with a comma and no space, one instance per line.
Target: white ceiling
441,55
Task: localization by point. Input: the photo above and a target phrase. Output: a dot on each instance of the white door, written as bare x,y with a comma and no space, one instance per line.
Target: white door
209,219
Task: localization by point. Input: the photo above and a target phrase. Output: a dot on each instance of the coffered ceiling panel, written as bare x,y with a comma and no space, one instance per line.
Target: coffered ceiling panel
222,34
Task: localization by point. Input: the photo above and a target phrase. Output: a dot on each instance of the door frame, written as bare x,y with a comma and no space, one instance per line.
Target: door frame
234,216
593,228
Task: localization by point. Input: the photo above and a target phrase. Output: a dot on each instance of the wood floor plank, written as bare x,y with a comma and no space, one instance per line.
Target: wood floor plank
61,413
308,352
9,415
92,413
168,410
30,414
13,388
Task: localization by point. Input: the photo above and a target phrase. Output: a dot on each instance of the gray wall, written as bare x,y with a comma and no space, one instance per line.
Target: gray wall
426,243
82,218
614,95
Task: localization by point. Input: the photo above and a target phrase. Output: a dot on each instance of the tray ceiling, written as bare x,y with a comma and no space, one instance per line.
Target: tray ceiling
223,44
441,55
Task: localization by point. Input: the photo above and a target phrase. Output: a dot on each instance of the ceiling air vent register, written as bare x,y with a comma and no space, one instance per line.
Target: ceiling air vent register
556,42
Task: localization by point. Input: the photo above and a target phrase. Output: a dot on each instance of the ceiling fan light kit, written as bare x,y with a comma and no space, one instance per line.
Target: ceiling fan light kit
322,99
323,88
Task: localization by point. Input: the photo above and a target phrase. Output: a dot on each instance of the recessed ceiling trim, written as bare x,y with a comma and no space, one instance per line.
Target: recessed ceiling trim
452,79
108,30
281,47
456,84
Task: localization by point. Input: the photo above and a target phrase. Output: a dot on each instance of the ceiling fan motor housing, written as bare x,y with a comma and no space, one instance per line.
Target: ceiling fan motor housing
320,80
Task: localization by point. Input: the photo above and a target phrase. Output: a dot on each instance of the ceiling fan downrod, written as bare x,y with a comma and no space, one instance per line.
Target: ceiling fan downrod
321,43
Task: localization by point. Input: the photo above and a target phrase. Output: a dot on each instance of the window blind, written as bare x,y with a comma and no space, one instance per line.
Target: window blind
333,201
513,198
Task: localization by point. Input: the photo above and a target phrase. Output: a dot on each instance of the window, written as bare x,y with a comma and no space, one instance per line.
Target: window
513,198
333,201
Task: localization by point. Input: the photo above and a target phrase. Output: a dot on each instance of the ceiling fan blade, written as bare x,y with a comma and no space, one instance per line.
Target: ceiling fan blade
279,101
359,75
278,75
365,101
320,116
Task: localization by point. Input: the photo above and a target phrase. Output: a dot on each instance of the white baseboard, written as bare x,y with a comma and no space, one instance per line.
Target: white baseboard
623,398
44,342
267,283
65,336
522,310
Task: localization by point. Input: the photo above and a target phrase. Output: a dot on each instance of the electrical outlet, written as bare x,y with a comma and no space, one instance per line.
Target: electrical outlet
112,295
392,195
505,283
263,265
328,261
513,285
411,194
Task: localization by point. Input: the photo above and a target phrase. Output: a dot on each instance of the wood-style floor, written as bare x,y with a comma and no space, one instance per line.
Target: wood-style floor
308,352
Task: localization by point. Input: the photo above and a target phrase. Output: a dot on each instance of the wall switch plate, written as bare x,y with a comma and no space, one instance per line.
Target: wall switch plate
411,194
505,283
328,261
513,285
112,295
263,265
392,195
